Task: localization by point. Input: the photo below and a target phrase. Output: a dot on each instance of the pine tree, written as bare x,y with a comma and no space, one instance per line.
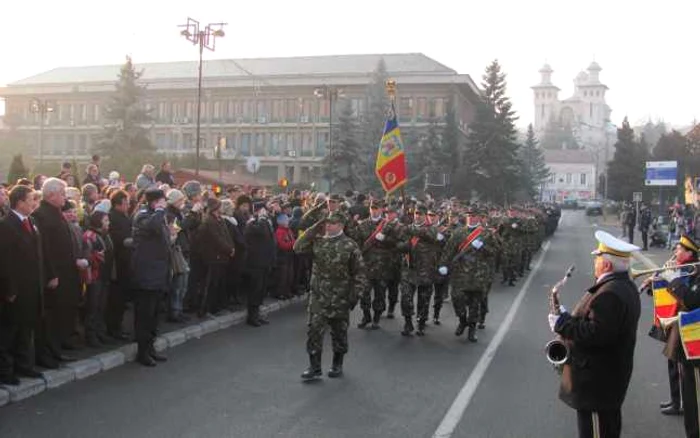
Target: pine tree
17,170
344,162
534,171
490,164
416,158
125,136
373,121
626,171
451,140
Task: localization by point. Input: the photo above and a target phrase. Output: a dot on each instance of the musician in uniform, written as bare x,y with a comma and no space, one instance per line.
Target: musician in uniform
337,279
685,290
601,335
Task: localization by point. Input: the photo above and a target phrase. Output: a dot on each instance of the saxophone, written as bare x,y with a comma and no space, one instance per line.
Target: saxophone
556,350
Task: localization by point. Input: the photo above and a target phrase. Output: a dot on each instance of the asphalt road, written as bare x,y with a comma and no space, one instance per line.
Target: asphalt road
244,382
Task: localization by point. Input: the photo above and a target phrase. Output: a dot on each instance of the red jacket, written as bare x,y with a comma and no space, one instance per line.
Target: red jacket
285,239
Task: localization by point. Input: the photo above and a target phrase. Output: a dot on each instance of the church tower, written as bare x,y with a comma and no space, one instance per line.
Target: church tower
546,97
592,92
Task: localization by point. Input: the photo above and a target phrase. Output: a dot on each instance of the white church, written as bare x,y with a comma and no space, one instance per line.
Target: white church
587,116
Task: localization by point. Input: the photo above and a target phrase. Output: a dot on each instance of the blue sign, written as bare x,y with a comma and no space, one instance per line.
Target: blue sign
661,173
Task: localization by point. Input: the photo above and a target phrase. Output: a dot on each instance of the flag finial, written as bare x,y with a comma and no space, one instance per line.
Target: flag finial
391,88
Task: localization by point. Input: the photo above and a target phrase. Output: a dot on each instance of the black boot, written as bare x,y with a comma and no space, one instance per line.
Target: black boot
390,312
407,326
436,317
337,368
471,334
421,327
253,317
375,320
462,326
261,319
366,319
314,371
143,357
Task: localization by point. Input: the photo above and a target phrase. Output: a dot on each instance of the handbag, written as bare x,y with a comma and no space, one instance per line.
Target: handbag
178,261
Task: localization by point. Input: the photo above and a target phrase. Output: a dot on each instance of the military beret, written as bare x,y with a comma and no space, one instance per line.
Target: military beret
336,197
336,217
421,209
377,203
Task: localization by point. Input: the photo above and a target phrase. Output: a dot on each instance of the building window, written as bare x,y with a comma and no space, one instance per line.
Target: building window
292,110
324,109
422,110
542,110
591,111
583,179
306,144
263,112
406,109
273,146
82,145
260,142
291,143
321,144
245,145
568,178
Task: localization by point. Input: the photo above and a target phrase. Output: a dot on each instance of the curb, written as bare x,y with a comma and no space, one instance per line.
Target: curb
102,362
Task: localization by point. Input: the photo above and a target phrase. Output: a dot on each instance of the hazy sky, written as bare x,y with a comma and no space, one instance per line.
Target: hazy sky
647,53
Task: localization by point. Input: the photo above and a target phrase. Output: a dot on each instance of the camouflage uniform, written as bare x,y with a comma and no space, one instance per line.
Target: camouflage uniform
471,273
378,257
337,279
510,235
422,245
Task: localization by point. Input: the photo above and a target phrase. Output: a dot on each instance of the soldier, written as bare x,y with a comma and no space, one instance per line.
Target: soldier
338,277
378,245
393,227
468,258
441,285
422,245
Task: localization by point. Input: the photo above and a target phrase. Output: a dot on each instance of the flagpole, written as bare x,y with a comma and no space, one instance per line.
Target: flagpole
390,86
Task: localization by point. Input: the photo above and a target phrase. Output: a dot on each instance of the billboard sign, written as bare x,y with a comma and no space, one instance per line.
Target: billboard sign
661,173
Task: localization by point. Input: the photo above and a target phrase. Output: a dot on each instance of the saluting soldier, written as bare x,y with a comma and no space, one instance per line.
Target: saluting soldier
337,279
422,246
468,258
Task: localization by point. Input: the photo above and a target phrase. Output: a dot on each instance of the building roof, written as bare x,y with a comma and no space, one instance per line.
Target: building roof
406,63
568,157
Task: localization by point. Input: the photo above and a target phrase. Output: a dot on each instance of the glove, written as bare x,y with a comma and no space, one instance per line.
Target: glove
553,321
514,226
82,263
380,237
440,237
443,270
477,244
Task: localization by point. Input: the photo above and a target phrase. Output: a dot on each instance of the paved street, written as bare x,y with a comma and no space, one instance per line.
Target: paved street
244,382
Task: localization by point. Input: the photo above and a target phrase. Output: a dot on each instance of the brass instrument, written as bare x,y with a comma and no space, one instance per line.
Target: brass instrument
556,350
635,273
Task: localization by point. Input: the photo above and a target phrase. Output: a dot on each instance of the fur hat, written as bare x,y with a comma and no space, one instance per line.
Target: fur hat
174,195
153,195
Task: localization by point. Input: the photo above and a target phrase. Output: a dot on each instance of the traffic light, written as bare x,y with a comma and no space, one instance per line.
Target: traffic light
284,182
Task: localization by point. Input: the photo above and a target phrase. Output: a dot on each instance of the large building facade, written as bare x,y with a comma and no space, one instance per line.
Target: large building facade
265,108
572,176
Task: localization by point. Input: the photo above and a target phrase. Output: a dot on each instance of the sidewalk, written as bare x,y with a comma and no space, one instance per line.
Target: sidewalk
94,361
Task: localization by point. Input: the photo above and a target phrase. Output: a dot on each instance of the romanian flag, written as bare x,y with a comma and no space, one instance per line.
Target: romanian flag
689,324
665,304
391,159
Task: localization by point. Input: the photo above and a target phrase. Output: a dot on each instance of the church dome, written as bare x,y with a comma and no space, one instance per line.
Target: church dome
594,66
581,77
546,68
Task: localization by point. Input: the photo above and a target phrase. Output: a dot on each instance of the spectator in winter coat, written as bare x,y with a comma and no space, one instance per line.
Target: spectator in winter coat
284,238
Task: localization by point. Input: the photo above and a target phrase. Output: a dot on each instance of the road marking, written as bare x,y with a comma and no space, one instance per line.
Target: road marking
459,405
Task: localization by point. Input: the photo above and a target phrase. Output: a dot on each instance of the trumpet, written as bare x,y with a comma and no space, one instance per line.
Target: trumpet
556,350
635,273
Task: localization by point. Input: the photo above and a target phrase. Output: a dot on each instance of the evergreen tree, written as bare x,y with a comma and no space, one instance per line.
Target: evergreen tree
438,158
557,136
125,136
373,120
344,162
626,171
490,164
416,158
451,140
534,171
17,170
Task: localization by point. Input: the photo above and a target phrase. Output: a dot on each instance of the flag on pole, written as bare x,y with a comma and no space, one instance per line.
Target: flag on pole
390,167
689,323
665,304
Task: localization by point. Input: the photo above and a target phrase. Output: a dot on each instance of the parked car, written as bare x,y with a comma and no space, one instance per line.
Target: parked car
594,208
570,204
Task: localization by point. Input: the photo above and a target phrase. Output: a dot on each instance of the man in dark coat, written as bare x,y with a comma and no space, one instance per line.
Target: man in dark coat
601,333
260,258
21,287
120,289
61,275
150,267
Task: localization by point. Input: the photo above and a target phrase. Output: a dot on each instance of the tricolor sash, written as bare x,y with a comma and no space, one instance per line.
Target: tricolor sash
689,324
470,238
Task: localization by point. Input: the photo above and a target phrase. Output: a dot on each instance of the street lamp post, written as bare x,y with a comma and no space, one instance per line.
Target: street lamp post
206,39
332,94
41,107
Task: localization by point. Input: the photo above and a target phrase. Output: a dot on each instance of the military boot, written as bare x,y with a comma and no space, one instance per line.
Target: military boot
337,368
421,327
390,312
366,319
314,371
471,334
408,326
375,320
462,326
436,317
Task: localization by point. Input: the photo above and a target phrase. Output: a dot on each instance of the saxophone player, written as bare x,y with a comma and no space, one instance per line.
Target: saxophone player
601,334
